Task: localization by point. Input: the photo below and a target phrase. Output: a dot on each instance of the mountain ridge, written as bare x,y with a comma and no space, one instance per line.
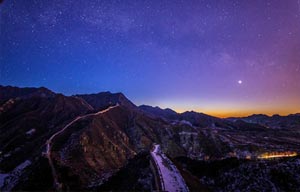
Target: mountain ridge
95,136
15,91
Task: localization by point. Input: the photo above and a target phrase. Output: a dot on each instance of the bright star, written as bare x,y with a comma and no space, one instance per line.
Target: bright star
240,81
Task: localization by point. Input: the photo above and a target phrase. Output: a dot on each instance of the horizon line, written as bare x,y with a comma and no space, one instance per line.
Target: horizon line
179,111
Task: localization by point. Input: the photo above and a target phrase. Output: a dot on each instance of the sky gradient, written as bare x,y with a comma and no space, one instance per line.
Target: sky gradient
221,57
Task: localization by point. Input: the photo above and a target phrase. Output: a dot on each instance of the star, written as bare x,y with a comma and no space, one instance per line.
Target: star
121,46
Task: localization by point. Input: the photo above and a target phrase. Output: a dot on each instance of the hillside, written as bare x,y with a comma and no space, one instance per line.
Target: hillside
89,140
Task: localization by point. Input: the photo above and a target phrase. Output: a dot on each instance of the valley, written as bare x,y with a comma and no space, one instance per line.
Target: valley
169,177
103,141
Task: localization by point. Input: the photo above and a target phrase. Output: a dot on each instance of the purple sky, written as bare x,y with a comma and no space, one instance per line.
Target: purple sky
221,57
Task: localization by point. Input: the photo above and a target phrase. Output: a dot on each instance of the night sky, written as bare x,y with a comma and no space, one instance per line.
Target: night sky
221,57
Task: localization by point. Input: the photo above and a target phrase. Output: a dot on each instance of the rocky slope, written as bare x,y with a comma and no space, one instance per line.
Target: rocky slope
89,151
100,146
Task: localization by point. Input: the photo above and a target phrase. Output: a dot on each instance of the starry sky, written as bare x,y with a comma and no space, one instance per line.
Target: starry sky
221,57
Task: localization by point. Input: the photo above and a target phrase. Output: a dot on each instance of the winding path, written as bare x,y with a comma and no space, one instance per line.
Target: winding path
56,184
169,176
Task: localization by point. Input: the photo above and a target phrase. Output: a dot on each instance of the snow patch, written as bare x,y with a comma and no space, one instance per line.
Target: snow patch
170,177
30,132
9,180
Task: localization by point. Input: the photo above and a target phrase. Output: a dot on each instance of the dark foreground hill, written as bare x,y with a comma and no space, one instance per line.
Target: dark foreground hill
98,140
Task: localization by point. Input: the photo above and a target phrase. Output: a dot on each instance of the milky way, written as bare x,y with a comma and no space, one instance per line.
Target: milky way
186,55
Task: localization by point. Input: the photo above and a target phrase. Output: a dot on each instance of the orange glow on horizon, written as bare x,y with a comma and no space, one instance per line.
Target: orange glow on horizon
230,108
235,113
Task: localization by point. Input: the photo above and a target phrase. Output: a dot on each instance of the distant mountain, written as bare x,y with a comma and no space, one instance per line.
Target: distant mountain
158,112
9,92
194,118
296,114
276,121
246,126
104,99
202,120
93,137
